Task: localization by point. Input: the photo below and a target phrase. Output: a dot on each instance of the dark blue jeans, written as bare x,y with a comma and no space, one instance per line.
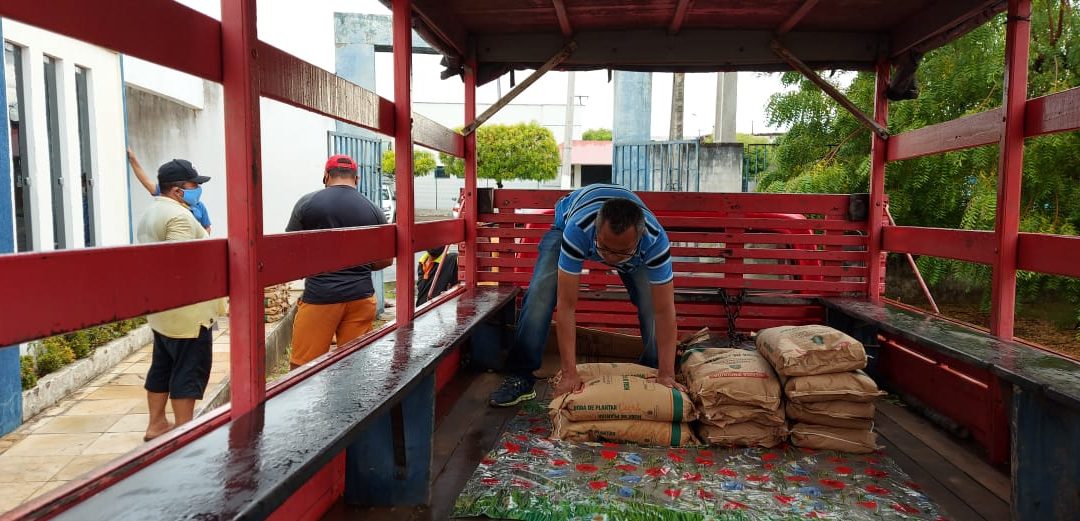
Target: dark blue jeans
534,322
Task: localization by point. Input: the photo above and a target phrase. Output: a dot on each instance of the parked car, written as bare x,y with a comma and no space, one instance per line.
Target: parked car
388,202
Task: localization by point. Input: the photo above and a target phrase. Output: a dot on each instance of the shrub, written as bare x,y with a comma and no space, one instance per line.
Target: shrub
27,372
53,354
80,342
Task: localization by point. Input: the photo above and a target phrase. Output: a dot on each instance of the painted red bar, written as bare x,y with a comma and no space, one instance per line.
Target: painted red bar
1058,112
710,267
243,176
712,309
983,128
288,79
437,137
1010,170
402,36
292,256
50,283
700,282
630,320
965,245
437,233
313,499
726,253
132,27
875,255
833,205
1053,254
468,256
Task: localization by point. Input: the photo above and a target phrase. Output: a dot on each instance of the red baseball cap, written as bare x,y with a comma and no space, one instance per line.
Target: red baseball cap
340,161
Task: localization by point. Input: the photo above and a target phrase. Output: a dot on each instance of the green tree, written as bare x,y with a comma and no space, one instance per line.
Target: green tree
423,162
525,151
826,150
597,134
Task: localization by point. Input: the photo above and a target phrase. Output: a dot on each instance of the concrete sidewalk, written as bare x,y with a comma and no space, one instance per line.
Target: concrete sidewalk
92,426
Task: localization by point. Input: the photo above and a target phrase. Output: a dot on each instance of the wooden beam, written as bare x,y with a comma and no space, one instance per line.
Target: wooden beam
564,20
965,245
442,24
430,134
566,51
796,17
689,51
942,21
680,16
1058,112
828,88
970,131
1033,249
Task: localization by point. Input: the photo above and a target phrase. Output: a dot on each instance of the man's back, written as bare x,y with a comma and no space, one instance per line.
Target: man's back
336,207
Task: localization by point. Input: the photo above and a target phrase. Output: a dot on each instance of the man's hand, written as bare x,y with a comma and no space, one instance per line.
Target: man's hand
669,382
568,383
131,155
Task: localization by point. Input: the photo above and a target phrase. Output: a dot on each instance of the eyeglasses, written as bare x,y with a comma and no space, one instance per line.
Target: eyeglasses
616,253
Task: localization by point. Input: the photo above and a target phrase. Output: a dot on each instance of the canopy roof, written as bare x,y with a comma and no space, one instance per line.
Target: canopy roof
691,35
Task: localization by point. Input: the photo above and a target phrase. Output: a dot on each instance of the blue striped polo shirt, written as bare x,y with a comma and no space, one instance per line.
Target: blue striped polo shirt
576,215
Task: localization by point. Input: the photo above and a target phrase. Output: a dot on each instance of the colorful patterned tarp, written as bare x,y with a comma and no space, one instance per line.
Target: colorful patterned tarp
530,477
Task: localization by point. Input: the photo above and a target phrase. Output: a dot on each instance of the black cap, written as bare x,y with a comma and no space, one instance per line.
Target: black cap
179,170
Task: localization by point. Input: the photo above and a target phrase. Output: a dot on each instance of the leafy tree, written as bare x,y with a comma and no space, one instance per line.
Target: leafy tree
525,151
826,150
423,163
597,134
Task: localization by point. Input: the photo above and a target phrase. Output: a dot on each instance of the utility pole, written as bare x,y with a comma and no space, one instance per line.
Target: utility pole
678,82
727,95
568,134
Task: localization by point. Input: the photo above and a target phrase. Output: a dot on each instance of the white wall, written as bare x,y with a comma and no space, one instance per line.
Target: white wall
107,135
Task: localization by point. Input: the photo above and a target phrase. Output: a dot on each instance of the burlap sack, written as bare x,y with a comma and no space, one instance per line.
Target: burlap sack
663,434
833,438
724,415
852,386
810,350
624,398
731,376
745,434
847,415
596,370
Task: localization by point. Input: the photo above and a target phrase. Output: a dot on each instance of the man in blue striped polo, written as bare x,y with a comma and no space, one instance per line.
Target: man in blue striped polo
607,224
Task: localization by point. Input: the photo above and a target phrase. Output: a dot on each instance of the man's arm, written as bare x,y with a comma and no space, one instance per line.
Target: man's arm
179,229
566,332
663,297
140,174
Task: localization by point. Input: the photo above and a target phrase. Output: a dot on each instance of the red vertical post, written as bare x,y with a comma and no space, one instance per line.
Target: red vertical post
877,186
469,204
243,177
403,160
1010,169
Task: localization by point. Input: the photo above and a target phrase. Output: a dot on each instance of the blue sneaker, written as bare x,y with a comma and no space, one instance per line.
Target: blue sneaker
513,391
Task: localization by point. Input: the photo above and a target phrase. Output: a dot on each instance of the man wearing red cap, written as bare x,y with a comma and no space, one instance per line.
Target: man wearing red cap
342,302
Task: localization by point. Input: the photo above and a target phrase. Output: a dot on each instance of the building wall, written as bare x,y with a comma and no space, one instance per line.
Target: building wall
106,137
720,167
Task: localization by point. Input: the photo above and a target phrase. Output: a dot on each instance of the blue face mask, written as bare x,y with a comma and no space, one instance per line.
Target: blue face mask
191,197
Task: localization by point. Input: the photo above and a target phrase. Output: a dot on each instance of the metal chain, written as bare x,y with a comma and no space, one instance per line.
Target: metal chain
732,308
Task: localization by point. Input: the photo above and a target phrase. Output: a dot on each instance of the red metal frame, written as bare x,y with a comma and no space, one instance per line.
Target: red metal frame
401,21
876,256
1010,169
469,204
243,177
965,245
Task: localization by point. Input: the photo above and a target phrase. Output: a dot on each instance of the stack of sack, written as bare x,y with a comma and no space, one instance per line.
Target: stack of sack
619,404
275,302
829,400
737,395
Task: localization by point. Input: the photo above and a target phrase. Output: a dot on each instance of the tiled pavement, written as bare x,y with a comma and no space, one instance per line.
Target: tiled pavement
95,424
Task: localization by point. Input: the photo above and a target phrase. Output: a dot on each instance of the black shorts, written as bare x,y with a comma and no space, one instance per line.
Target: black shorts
181,366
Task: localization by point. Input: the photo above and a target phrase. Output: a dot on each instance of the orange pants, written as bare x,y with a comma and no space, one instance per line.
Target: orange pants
316,324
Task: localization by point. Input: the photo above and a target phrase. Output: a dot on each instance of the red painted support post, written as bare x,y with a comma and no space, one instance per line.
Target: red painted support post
877,186
469,204
244,189
403,168
1010,169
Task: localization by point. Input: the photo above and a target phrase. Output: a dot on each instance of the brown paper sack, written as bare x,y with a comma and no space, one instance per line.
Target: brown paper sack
595,370
724,415
624,398
745,434
731,376
853,386
833,438
810,350
661,434
847,415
